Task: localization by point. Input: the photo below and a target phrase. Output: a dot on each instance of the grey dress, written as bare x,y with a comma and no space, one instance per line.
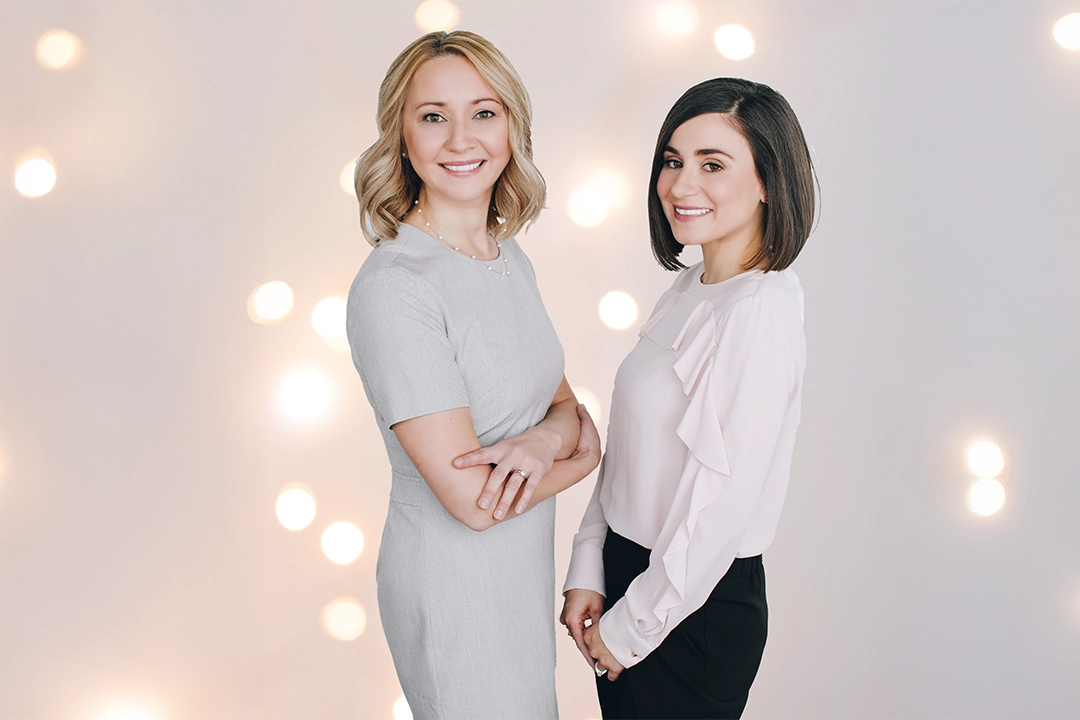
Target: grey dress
469,616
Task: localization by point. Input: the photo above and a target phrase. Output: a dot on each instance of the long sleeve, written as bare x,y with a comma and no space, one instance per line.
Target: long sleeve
586,569
740,376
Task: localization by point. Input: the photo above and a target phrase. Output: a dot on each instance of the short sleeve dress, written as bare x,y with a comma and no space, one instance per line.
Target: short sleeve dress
469,616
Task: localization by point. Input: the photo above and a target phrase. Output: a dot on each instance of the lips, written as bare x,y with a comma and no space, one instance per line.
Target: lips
462,168
690,213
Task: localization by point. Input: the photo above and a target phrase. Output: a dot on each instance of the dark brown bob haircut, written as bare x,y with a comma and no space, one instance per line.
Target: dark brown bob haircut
781,158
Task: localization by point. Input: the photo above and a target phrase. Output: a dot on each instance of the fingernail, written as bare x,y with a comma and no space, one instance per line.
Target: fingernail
498,514
484,502
520,508
458,462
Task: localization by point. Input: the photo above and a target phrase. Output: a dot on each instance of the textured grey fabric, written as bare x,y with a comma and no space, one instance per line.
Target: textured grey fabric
469,616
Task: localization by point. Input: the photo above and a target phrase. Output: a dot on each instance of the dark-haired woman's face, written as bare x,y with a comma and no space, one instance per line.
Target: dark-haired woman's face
709,186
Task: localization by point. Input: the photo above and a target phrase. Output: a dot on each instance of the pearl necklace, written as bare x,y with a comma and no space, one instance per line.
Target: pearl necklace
498,245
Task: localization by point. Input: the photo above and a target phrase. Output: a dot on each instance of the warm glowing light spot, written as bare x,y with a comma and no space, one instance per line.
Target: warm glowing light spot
1067,31
129,709
985,459
328,319
618,310
58,50
592,202
344,619
35,177
295,507
402,711
986,497
592,403
676,18
342,542
305,396
270,302
734,42
348,178
437,15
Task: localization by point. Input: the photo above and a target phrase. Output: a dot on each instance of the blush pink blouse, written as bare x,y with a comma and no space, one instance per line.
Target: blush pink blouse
700,435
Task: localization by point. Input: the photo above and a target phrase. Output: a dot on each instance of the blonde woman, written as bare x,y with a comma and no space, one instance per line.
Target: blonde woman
456,352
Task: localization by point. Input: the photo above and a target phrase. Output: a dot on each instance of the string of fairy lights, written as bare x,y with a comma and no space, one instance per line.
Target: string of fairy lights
305,394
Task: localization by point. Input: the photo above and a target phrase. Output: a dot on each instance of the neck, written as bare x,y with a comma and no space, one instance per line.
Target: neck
726,258
462,225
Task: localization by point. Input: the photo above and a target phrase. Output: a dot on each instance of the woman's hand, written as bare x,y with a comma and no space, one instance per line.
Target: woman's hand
579,606
603,658
533,454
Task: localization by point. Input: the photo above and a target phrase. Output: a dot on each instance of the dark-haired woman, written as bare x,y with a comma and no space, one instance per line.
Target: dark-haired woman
667,562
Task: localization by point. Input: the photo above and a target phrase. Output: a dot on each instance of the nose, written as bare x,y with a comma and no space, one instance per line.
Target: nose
685,185
461,136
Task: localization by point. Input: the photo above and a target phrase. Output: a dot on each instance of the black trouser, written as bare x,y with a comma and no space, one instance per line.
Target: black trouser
705,666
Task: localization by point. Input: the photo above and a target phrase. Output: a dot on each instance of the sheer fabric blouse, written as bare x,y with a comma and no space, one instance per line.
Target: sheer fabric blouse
700,436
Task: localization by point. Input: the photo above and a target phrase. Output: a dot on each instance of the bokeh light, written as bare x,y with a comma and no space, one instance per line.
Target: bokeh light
402,711
734,42
58,50
270,302
592,403
35,177
985,459
618,310
676,18
344,619
342,542
129,709
348,178
435,15
305,395
295,506
592,203
1067,31
986,497
328,319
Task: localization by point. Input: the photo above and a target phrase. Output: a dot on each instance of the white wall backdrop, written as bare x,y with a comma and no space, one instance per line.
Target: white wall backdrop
198,147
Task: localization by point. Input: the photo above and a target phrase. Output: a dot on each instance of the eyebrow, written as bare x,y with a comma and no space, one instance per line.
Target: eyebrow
702,152
437,103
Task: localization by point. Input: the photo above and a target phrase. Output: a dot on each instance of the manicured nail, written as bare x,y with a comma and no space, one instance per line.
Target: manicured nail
520,508
458,462
498,514
484,502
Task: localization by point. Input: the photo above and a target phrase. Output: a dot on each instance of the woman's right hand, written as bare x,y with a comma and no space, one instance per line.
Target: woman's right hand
580,605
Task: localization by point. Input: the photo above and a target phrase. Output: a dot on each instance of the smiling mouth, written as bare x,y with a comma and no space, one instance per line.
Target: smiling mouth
692,212
462,168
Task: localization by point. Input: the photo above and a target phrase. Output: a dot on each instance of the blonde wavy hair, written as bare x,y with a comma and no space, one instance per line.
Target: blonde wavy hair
386,183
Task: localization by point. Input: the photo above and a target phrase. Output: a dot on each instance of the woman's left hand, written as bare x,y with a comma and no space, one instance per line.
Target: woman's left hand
524,459
603,657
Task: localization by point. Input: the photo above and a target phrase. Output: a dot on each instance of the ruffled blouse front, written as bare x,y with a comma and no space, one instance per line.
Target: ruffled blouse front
700,434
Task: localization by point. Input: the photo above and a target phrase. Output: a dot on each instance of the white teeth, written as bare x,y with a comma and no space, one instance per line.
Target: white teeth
702,211
463,168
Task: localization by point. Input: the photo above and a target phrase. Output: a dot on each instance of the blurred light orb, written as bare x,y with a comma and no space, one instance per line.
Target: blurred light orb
734,42
986,497
328,317
985,459
1067,31
295,507
348,178
344,619
435,15
618,310
402,711
58,50
676,18
305,396
270,302
592,202
129,709
592,403
35,177
342,542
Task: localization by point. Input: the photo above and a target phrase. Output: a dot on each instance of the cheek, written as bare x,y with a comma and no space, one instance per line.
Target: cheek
663,186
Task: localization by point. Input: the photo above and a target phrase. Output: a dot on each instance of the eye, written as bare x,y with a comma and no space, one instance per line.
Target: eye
712,167
485,114
432,118
672,163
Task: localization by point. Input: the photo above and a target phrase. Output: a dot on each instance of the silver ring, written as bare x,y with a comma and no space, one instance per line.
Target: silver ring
600,672
522,474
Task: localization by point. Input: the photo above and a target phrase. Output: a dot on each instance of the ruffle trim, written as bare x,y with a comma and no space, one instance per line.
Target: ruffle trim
690,330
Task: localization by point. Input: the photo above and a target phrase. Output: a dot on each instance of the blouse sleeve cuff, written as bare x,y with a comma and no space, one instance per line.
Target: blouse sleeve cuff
617,630
586,569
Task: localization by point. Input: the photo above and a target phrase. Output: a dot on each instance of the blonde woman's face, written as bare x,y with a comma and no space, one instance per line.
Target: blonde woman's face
455,130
